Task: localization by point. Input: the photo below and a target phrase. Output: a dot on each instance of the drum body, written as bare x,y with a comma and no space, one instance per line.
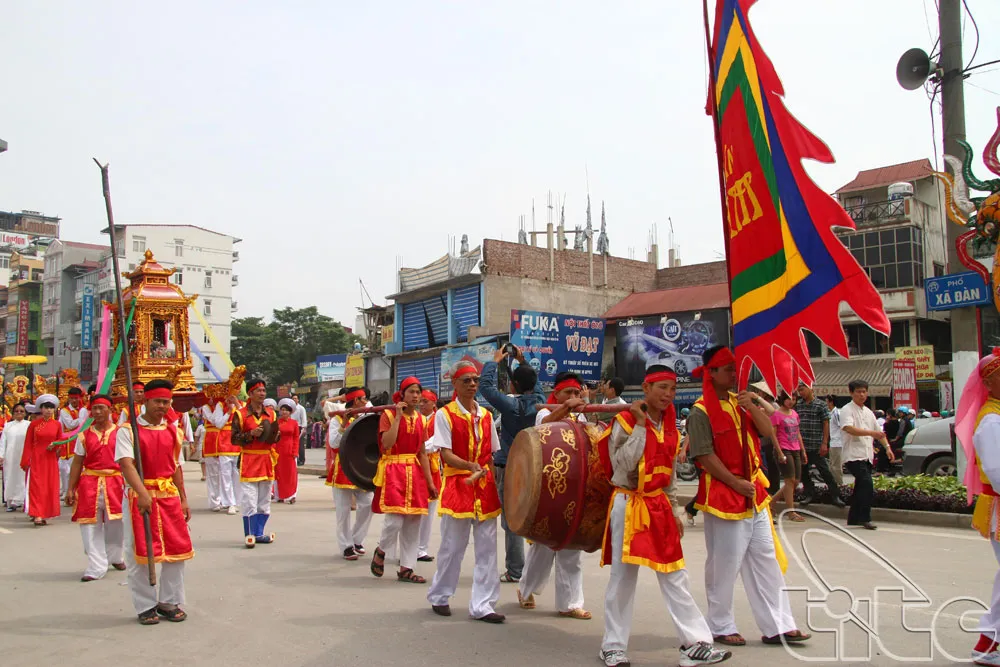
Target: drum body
359,451
556,492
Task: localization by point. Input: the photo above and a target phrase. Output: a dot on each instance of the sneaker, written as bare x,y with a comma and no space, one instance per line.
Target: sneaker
233,510
360,549
615,659
991,658
703,653
349,554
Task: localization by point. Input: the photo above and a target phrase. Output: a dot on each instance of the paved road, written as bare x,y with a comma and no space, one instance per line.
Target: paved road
296,602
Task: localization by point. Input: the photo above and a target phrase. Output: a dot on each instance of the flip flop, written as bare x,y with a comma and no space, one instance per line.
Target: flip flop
735,639
792,637
579,614
526,603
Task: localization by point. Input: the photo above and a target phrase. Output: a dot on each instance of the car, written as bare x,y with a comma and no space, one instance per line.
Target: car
680,363
927,449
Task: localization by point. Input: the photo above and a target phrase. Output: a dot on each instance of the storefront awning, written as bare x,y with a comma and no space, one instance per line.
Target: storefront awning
832,377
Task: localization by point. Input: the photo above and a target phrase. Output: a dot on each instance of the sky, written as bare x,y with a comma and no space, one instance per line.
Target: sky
337,138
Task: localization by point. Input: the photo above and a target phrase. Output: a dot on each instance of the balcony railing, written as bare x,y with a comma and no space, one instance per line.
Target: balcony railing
877,213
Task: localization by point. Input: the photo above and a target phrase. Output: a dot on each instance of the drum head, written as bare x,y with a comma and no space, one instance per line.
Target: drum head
359,451
523,481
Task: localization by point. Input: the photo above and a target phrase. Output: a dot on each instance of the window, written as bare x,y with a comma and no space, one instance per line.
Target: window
862,339
179,278
814,344
139,244
208,279
893,258
899,335
207,310
5,262
206,338
204,366
120,247
938,269
131,267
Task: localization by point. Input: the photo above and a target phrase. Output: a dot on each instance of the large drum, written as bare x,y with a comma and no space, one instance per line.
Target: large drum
359,451
556,492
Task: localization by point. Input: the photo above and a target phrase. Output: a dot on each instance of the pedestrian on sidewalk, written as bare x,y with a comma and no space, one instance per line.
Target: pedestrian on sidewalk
814,427
791,453
836,442
860,431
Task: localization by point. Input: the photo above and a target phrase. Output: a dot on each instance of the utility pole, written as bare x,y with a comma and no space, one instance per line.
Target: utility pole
964,321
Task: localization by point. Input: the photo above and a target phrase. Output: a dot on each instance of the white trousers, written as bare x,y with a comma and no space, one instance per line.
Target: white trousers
213,482
619,598
569,575
745,548
256,498
485,578
426,524
989,622
230,493
347,536
64,466
103,542
403,529
170,579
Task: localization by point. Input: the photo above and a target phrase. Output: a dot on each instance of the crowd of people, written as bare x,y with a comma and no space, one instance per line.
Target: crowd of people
445,461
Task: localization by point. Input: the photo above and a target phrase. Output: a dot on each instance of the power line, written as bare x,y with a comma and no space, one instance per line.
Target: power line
975,26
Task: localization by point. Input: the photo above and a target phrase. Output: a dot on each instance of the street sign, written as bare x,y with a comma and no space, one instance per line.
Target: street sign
87,318
957,291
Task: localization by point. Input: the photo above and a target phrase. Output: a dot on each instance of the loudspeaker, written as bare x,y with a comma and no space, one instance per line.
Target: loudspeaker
913,68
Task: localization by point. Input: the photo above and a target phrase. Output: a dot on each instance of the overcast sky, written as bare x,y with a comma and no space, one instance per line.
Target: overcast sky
334,136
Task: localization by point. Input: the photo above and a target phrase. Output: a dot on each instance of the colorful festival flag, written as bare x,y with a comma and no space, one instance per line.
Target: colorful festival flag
787,269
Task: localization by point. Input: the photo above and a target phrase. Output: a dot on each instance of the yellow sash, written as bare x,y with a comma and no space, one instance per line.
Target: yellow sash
100,473
161,487
386,461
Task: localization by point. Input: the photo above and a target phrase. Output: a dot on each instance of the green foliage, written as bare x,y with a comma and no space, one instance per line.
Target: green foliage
948,486
277,350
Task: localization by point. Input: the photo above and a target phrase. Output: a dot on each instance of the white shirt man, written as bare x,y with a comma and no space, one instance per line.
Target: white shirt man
836,452
860,428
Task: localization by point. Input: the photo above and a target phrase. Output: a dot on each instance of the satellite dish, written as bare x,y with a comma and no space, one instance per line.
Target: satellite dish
913,68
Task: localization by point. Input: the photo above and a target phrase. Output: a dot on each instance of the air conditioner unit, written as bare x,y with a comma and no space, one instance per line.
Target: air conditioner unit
235,305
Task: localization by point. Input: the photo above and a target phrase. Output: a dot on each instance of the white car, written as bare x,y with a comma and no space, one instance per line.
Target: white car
681,363
927,449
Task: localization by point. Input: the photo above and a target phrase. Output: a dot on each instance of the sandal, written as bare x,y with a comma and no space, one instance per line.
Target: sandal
378,563
795,516
505,578
291,501
579,614
792,637
38,522
175,615
735,639
526,603
149,617
407,575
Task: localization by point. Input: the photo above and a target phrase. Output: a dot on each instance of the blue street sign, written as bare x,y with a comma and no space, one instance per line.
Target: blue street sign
957,291
87,318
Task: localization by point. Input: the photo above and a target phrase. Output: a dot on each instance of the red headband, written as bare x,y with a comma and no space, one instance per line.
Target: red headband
464,370
403,386
723,357
353,395
159,392
429,395
254,385
571,383
660,376
138,385
100,401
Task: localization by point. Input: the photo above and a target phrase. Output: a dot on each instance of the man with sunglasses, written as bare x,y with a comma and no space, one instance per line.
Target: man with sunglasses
465,434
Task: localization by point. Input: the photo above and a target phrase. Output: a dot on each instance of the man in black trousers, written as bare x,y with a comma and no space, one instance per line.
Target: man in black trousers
814,426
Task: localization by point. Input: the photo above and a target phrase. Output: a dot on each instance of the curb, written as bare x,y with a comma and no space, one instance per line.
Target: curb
887,515
312,470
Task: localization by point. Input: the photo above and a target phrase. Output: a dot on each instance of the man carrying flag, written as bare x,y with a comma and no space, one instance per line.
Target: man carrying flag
724,431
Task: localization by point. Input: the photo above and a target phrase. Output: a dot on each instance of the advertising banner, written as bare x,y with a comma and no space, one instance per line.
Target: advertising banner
331,367
87,318
477,354
553,343
923,357
675,340
23,322
354,371
904,383
309,373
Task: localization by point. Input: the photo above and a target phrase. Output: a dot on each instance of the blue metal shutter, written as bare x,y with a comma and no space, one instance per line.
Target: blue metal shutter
425,369
436,312
414,327
466,304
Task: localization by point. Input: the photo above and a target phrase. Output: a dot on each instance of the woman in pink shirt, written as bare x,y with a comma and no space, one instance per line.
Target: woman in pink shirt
791,453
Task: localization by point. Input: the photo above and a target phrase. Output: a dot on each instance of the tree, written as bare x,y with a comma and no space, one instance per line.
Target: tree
277,350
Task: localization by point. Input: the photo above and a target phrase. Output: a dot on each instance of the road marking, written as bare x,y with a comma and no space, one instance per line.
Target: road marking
4,531
952,536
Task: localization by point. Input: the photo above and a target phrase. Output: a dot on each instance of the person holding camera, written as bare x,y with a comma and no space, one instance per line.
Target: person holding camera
517,412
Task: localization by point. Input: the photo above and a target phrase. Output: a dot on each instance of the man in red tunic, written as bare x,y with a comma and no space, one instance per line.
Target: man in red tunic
466,436
428,407
349,539
403,483
71,418
158,493
286,473
96,489
40,459
643,528
256,464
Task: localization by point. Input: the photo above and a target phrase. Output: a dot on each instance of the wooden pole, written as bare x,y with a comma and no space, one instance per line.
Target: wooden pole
123,337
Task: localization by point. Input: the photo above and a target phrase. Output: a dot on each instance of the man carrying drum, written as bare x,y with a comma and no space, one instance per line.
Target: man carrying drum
350,539
641,446
540,559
